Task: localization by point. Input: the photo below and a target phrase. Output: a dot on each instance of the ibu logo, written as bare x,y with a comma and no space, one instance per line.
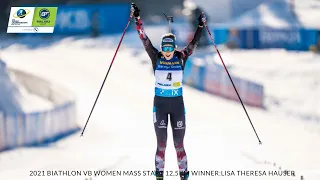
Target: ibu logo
21,13
44,13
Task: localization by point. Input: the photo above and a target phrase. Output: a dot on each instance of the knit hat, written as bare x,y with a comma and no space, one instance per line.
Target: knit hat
168,39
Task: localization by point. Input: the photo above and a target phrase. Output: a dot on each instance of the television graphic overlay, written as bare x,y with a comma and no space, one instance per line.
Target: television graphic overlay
32,19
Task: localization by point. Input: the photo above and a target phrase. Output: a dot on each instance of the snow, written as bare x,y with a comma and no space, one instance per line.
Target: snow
9,94
278,14
308,13
120,133
32,102
291,79
275,14
15,98
29,101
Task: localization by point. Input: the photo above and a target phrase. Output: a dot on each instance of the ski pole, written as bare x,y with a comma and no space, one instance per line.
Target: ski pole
232,81
131,14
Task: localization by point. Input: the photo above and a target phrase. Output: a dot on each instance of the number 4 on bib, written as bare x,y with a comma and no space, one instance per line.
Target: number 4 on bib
169,76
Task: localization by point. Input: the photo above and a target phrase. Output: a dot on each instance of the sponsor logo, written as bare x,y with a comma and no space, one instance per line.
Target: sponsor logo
45,16
162,125
164,84
167,40
44,13
179,125
176,84
169,63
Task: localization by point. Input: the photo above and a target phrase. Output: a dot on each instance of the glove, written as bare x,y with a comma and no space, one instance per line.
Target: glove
202,19
135,10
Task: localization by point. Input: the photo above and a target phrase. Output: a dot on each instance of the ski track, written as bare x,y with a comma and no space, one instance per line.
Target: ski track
120,134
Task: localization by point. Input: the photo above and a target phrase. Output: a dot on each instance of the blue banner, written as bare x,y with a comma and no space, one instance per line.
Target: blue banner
249,38
263,38
280,38
213,79
253,94
310,38
220,35
85,19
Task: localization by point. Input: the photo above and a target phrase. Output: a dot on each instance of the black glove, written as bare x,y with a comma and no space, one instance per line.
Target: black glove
202,19
135,10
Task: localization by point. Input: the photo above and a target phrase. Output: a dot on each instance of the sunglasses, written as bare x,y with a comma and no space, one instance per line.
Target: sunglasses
167,48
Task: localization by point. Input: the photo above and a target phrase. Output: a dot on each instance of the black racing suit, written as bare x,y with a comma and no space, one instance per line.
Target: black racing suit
173,106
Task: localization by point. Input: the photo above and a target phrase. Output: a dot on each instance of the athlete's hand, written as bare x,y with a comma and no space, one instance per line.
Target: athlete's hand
202,19
135,10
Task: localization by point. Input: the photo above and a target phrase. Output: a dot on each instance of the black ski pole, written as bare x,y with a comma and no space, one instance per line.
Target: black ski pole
131,14
232,82
170,20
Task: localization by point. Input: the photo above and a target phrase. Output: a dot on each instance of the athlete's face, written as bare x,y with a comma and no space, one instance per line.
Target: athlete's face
168,51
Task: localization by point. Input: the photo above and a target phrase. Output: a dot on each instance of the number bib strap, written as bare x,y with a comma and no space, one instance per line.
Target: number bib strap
168,92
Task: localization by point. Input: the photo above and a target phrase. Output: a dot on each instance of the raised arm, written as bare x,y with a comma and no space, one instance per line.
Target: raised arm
189,49
151,50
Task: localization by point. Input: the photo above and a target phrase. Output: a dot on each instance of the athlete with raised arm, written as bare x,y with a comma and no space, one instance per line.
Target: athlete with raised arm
168,65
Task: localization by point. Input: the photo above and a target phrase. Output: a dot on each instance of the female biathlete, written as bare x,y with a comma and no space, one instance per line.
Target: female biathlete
168,65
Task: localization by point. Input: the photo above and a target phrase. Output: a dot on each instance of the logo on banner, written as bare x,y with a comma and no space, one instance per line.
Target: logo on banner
277,38
75,20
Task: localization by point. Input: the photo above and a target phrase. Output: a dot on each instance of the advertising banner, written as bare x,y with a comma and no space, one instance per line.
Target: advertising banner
11,131
254,94
30,129
20,129
280,38
212,79
88,19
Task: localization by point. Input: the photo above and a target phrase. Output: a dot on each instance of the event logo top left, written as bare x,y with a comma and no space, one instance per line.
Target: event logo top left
21,16
21,13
